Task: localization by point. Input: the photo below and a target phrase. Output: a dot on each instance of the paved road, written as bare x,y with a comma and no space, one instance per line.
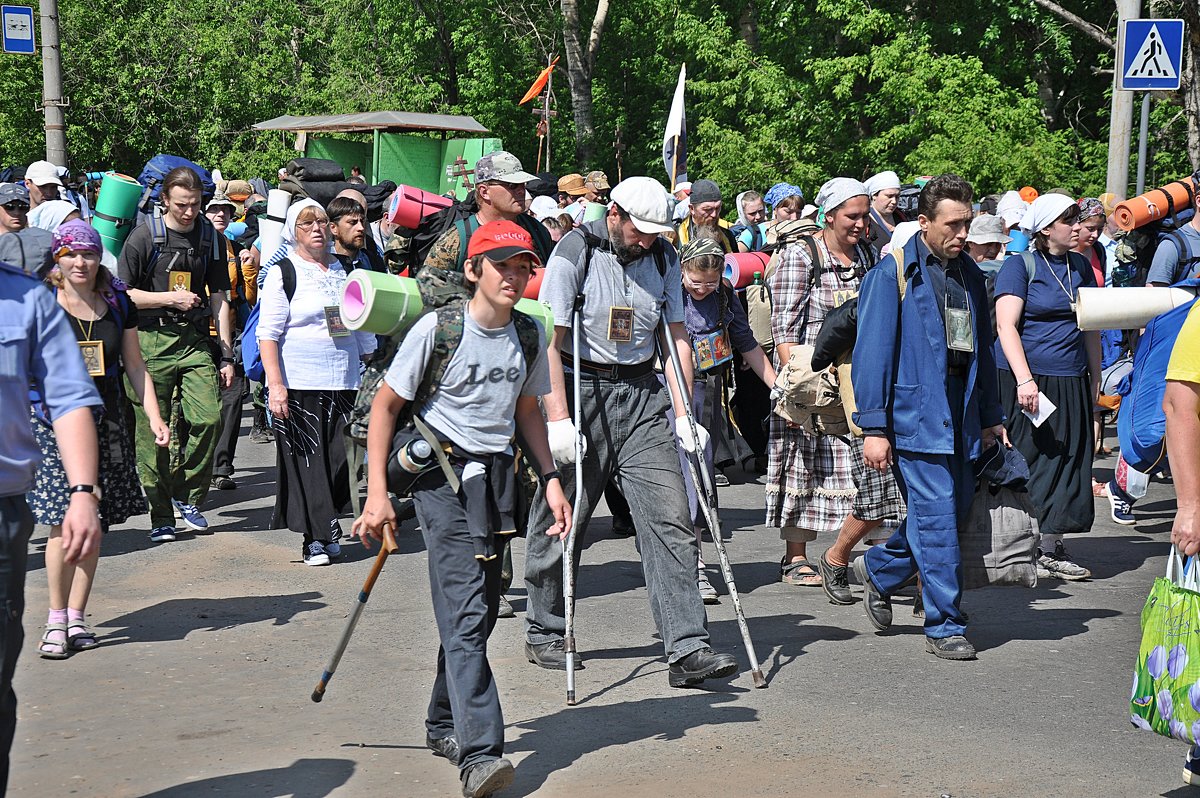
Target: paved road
213,644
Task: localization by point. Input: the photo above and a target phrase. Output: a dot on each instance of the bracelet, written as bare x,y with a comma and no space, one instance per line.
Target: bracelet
549,475
1026,382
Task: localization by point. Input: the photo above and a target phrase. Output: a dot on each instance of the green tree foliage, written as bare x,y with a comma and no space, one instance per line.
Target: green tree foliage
1001,92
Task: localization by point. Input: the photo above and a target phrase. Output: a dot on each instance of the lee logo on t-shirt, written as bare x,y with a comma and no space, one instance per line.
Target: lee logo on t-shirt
497,374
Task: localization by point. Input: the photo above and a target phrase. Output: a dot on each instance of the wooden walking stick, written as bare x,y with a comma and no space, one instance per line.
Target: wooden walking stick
388,546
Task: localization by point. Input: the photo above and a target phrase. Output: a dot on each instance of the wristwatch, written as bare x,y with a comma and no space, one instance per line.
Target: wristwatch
92,489
228,360
549,475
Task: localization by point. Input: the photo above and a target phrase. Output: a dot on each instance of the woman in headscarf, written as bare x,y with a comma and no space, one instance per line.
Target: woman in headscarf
884,190
311,361
1043,357
750,230
105,322
1091,224
810,480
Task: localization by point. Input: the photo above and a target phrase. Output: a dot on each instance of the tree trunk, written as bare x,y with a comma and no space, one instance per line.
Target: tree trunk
748,26
1191,80
581,61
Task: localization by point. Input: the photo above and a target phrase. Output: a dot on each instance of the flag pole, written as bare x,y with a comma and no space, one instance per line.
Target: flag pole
674,163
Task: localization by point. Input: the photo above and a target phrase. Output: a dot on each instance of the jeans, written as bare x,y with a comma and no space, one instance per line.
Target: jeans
16,525
466,598
629,442
939,489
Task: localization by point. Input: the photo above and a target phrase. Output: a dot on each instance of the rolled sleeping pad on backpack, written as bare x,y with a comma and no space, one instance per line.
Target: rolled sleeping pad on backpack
741,266
116,209
409,206
1155,204
534,286
594,211
380,303
270,227
531,307
1126,308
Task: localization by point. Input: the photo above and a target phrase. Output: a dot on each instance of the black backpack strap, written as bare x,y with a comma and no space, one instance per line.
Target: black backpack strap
287,270
447,335
590,242
530,335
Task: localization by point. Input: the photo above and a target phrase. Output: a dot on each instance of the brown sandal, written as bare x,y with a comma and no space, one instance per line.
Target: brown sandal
790,573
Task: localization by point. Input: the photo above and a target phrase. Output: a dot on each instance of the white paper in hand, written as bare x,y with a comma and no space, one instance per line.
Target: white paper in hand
1045,408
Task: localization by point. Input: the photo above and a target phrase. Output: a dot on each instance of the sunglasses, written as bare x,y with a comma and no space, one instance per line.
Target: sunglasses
16,207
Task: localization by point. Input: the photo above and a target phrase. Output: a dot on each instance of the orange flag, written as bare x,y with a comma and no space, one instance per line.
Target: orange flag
538,84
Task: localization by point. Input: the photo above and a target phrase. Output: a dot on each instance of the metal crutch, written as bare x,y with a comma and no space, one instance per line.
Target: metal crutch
706,500
568,543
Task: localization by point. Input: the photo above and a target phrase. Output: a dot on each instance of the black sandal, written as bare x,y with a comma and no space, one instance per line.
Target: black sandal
788,573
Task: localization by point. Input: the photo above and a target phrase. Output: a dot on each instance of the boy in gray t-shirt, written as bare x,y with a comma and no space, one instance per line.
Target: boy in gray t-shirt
486,394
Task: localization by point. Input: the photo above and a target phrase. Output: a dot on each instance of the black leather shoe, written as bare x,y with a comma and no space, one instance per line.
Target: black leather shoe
550,656
701,664
445,747
223,483
956,647
877,605
506,610
485,778
835,580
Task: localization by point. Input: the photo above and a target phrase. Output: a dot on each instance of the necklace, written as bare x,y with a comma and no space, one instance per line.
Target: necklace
1070,295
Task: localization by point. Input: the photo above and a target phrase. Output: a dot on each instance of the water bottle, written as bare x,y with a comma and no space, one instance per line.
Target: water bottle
757,279
415,456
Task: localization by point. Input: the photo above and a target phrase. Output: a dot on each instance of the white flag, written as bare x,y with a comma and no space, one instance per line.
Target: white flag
675,137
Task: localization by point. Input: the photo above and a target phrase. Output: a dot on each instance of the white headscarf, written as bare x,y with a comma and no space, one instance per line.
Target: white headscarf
49,215
1011,208
741,212
838,190
1044,212
882,182
289,226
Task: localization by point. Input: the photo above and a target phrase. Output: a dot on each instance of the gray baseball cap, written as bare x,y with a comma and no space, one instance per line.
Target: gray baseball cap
13,192
987,229
502,166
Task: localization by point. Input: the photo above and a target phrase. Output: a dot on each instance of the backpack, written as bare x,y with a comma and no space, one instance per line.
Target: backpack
210,241
1135,249
156,170
447,336
906,203
430,230
1142,422
251,354
758,297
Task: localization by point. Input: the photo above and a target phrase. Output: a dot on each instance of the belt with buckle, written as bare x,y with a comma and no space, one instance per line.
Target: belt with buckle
617,371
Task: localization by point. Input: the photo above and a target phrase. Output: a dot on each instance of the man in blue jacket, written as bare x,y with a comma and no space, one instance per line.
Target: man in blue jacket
928,403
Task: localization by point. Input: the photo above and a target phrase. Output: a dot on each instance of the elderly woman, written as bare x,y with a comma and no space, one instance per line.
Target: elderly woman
810,479
106,324
884,189
1043,356
311,361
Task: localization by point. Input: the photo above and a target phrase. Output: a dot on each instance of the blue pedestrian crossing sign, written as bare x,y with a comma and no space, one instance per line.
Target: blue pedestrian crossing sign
1150,55
18,29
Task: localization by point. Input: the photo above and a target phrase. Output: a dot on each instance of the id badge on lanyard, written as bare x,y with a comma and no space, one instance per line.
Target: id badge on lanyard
93,357
620,324
333,322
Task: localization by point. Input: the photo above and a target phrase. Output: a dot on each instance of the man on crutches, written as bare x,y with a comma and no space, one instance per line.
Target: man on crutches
629,279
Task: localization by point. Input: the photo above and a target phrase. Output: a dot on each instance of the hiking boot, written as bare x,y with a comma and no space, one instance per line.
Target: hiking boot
191,516
1059,565
1121,505
835,580
485,778
314,554
701,664
550,656
223,482
162,534
956,647
877,605
445,747
708,593
506,610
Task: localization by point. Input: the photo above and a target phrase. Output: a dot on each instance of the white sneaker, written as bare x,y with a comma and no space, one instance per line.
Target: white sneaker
314,554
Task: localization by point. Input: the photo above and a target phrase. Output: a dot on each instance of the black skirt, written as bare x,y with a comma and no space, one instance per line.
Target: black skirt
313,476
1059,452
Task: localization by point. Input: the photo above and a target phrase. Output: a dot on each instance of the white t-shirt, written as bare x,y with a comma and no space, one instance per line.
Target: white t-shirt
476,401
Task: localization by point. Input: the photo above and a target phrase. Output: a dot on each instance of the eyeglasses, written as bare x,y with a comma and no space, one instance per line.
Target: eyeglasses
697,284
309,226
511,188
16,207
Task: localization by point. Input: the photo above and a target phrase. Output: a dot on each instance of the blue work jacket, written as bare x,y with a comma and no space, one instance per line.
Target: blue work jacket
900,359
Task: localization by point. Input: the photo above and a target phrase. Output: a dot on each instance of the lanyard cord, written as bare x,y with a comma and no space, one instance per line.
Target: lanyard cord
1050,266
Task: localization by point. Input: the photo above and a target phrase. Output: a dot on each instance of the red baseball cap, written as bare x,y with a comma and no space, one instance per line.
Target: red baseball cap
500,241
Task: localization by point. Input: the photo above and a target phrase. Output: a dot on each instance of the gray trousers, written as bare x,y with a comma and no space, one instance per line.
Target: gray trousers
629,441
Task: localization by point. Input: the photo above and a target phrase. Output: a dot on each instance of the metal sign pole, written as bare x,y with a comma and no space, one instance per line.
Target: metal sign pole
1143,135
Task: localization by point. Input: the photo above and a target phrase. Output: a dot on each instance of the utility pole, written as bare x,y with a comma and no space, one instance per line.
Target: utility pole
52,99
1120,128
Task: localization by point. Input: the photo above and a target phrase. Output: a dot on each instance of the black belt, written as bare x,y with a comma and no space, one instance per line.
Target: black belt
617,371
166,321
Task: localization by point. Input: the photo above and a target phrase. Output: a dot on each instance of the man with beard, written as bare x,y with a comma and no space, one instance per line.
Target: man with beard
627,277
348,222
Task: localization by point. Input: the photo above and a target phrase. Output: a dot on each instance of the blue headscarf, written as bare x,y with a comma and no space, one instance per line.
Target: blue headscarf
781,191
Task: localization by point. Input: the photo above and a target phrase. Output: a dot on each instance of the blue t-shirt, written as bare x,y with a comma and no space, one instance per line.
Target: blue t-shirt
1168,259
1053,344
